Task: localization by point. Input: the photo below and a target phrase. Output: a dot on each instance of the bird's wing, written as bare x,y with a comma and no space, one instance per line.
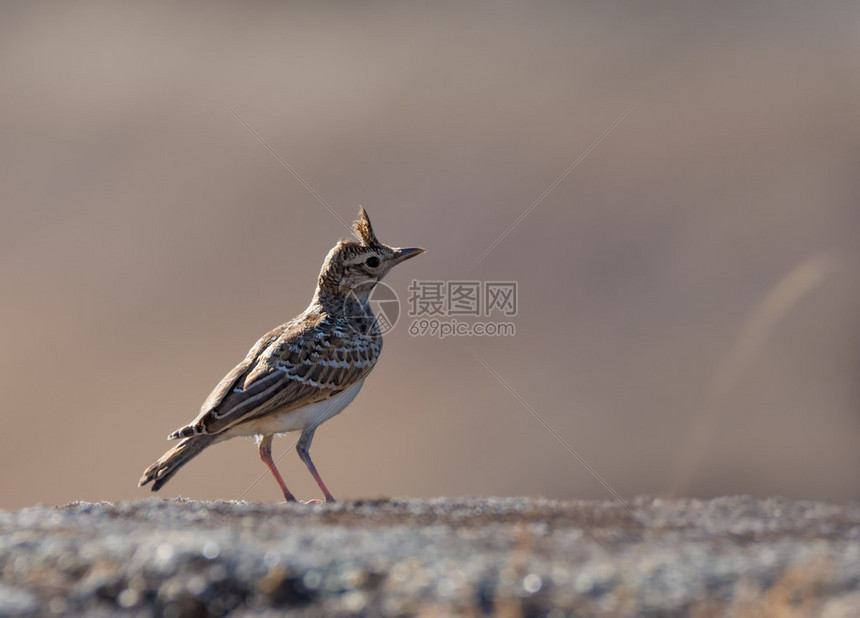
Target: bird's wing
237,374
306,363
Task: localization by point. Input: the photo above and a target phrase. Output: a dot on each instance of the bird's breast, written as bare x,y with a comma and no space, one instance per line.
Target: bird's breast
308,416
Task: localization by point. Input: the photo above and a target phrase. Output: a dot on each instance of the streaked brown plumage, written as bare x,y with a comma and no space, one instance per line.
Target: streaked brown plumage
301,373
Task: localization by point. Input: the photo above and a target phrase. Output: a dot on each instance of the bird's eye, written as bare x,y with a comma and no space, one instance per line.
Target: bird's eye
372,261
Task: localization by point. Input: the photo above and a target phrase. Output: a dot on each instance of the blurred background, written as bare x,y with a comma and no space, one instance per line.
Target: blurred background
689,303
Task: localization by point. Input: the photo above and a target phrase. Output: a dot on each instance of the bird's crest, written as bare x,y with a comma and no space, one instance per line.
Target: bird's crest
363,230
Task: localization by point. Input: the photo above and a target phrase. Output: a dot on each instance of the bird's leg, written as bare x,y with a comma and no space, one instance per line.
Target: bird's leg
304,447
266,456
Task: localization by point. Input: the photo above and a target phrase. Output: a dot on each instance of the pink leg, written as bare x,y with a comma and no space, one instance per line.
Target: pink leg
266,456
303,448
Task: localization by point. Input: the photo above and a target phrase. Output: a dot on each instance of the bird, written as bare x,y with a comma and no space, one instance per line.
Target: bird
301,373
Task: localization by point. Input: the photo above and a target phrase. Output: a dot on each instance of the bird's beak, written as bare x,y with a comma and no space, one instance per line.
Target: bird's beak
401,255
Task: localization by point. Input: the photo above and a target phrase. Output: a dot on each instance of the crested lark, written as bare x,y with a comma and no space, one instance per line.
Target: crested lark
303,372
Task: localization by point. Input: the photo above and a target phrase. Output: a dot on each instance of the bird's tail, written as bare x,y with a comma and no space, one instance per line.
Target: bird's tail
169,463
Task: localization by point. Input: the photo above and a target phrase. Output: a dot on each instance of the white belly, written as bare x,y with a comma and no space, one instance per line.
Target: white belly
297,420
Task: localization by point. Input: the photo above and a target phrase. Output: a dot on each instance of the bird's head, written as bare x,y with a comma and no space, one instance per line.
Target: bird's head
354,266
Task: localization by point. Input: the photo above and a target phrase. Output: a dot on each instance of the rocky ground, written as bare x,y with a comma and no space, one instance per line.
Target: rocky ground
513,556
